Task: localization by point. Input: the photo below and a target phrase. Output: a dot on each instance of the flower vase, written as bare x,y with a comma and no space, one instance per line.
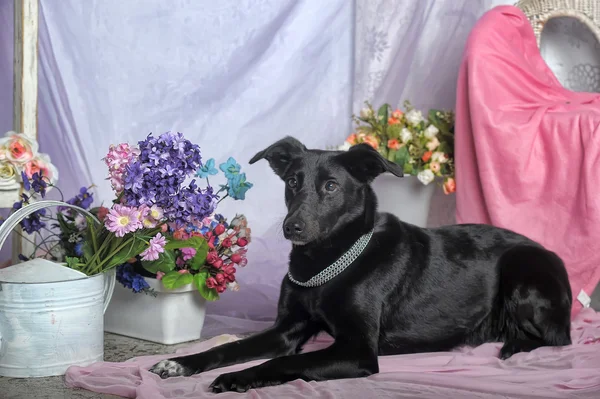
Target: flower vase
405,197
170,317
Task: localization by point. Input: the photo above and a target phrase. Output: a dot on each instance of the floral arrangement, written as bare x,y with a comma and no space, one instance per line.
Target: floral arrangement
423,146
19,156
161,223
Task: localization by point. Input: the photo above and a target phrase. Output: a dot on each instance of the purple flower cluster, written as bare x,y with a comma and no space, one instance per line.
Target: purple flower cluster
130,279
157,175
83,200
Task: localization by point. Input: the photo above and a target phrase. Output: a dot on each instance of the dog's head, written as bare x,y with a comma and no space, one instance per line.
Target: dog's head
324,190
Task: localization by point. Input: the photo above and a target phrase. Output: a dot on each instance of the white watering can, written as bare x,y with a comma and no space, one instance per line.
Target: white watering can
51,316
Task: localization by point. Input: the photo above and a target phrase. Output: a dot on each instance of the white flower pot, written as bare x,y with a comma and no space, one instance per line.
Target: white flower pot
406,197
172,317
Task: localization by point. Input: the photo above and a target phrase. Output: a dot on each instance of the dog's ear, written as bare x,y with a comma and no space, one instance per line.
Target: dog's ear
280,154
365,163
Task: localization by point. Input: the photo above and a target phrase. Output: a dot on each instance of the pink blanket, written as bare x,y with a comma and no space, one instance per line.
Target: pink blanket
568,372
527,149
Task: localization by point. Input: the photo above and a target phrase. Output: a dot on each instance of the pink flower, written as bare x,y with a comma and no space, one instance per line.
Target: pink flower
183,271
41,164
211,282
102,212
236,258
188,253
221,289
219,229
212,257
20,148
218,263
226,242
243,262
159,275
220,278
156,247
179,262
116,160
122,220
242,242
150,216
229,270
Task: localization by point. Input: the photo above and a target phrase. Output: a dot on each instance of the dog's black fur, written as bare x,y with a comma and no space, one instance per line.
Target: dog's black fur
411,290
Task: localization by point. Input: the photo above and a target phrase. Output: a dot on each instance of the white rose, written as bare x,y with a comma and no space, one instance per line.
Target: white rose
439,156
366,113
425,176
414,117
431,131
405,135
344,147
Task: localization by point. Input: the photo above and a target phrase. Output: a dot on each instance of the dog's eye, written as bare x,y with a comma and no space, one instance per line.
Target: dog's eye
292,182
331,186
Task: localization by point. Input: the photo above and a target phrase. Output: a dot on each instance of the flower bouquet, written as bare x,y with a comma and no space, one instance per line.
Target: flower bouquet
423,146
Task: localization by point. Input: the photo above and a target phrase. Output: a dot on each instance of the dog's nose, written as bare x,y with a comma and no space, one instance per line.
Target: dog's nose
294,227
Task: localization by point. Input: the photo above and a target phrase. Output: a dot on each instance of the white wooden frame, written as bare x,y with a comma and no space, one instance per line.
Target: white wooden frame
25,89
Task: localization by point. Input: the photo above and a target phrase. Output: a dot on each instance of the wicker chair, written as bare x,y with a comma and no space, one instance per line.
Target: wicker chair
568,35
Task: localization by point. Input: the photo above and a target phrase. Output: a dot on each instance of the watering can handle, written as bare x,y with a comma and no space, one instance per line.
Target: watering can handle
13,220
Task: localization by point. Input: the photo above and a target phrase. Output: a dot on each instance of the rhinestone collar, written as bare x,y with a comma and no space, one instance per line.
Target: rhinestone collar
338,266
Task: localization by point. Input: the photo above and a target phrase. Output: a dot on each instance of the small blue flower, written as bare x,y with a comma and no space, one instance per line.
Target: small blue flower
207,169
231,168
79,248
238,187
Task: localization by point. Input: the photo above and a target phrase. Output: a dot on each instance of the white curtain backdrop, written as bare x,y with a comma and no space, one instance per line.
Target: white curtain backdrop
234,76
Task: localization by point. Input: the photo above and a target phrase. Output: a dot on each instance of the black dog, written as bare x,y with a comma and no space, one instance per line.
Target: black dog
409,290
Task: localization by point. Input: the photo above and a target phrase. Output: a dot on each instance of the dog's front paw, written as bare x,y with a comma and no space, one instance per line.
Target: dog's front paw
171,368
240,381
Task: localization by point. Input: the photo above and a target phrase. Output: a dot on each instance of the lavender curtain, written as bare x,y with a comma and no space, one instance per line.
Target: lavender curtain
234,76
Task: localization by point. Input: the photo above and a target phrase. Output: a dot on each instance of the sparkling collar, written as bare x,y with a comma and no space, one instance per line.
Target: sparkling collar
338,266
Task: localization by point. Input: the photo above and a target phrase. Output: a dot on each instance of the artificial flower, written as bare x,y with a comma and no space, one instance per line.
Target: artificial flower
426,156
83,200
366,113
122,219
345,146
219,229
242,242
394,144
352,139
207,169
393,121
397,114
238,186
431,132
212,257
439,156
188,253
449,186
159,275
7,172
155,248
42,165
211,282
102,212
414,117
230,168
433,144
435,167
20,148
117,159
372,141
233,286
425,176
405,135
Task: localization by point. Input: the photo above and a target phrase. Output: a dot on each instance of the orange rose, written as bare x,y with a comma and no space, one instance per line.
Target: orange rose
352,139
372,141
394,144
435,167
393,121
427,156
397,114
449,186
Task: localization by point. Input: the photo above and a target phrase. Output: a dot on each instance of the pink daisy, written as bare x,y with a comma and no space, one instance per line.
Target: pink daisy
156,247
122,220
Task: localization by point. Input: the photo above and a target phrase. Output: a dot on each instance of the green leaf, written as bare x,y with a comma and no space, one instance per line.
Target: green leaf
402,156
165,262
408,168
392,155
174,280
200,258
132,248
192,242
383,112
210,294
72,262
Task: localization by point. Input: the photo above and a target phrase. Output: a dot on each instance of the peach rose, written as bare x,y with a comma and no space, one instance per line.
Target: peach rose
394,144
41,164
352,139
433,144
397,114
449,186
19,147
372,141
435,167
393,121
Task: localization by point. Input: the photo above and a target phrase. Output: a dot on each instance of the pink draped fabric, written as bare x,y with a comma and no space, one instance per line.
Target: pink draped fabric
527,149
468,373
